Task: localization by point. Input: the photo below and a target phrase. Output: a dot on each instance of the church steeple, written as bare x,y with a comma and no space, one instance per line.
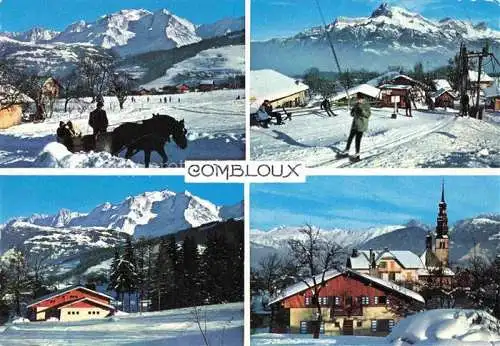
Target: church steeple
442,218
442,242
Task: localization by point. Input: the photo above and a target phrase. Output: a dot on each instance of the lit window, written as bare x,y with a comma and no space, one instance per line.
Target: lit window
375,300
337,301
308,301
365,300
374,326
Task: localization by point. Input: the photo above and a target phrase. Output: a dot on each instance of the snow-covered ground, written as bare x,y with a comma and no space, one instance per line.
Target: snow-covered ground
214,64
428,139
451,327
215,122
224,325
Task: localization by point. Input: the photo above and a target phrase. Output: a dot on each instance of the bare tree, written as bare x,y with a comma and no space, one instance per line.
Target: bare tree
121,85
95,72
72,88
313,257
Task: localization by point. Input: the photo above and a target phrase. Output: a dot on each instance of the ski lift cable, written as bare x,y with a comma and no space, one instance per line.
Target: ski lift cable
332,48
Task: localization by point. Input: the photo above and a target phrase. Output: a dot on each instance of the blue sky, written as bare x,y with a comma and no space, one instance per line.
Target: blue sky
20,15
284,18
26,195
359,202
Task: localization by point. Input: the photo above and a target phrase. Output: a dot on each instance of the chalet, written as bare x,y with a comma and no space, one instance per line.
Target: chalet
394,93
442,84
12,102
206,85
352,303
279,89
398,266
492,95
371,93
72,304
182,88
485,81
444,98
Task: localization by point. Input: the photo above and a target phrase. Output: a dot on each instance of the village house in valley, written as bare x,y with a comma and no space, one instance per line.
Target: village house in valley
279,89
352,303
72,304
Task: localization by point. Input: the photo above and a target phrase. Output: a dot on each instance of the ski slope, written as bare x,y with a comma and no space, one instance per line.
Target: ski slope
428,139
215,122
224,324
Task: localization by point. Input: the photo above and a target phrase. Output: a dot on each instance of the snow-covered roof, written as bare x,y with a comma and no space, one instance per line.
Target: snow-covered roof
445,271
384,77
442,91
365,89
407,259
272,85
442,84
58,293
87,299
302,286
484,76
395,86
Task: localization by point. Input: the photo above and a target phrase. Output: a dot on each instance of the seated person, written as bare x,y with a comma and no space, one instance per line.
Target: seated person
64,135
262,116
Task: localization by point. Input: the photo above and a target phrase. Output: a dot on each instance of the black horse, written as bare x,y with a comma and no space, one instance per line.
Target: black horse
150,135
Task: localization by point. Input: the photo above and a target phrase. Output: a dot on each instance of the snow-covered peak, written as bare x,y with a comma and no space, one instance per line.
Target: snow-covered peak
221,27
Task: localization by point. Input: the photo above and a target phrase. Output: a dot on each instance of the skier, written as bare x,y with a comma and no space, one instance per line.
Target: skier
98,119
407,99
327,106
361,113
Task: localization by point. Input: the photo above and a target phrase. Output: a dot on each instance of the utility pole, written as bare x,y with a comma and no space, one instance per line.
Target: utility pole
465,56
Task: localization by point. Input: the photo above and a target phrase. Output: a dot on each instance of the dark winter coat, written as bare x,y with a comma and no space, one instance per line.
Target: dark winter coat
98,120
361,113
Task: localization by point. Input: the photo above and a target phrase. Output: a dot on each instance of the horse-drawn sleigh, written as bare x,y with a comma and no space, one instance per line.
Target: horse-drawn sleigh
147,135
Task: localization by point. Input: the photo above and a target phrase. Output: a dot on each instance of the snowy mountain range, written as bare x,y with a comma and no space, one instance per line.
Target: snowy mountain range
389,36
478,236
126,33
150,214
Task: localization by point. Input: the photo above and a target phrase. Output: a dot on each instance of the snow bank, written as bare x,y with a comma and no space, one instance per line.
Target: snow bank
20,320
435,326
56,155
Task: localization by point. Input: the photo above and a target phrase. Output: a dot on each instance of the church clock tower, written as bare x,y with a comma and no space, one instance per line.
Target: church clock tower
442,240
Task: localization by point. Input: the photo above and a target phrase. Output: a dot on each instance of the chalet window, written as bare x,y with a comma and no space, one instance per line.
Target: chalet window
391,325
323,301
359,324
382,264
78,312
69,312
365,300
375,300
98,312
392,276
306,327
90,312
374,326
382,300
337,300
307,301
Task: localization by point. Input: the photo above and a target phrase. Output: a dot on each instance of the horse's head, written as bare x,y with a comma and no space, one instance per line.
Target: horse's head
179,134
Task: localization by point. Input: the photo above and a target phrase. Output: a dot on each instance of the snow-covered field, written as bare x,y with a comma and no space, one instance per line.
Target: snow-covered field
215,122
216,63
446,327
224,325
428,139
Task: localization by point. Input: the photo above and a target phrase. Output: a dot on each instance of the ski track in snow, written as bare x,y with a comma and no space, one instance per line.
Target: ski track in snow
215,122
428,139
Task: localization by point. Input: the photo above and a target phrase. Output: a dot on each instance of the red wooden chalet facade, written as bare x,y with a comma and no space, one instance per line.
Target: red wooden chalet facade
72,304
351,303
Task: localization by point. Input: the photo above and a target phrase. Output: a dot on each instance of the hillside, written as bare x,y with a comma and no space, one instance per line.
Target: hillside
389,36
479,236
